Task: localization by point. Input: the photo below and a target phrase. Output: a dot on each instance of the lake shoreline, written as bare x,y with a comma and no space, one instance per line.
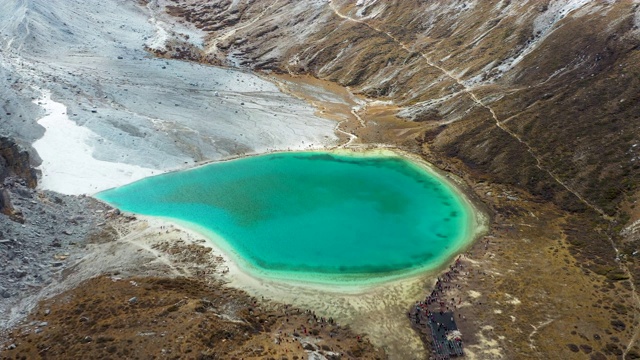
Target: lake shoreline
377,309
348,283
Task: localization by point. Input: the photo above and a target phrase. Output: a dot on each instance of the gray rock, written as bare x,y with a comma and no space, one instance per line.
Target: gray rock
5,201
24,193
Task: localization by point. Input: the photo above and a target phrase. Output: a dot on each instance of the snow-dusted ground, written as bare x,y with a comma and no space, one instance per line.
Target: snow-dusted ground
128,113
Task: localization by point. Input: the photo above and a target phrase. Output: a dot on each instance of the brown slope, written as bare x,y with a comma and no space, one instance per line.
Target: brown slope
144,318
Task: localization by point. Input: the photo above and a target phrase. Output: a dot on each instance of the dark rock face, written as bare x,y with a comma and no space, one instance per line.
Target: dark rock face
14,161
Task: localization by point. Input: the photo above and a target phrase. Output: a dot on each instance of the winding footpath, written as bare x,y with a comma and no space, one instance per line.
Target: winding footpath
466,89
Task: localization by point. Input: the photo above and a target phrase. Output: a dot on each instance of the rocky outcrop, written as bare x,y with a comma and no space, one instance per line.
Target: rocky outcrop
14,161
5,202
41,237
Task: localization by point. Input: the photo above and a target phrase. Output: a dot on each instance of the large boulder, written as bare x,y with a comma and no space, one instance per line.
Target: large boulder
14,161
5,202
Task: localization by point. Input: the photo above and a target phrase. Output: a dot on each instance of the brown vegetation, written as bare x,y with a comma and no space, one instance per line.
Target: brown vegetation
140,318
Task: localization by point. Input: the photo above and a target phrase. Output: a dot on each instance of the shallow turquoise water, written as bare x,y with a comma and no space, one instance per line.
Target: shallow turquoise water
312,213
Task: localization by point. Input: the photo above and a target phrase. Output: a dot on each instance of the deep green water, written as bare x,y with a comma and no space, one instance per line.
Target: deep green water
312,214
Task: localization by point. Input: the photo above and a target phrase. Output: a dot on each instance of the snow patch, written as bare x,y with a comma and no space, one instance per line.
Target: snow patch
543,26
480,78
512,300
364,11
67,164
474,294
556,11
632,231
159,40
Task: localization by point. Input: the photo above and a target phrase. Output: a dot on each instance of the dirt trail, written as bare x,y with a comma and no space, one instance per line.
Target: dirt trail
466,89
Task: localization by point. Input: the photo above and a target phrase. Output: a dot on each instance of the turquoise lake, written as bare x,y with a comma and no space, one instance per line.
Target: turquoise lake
312,214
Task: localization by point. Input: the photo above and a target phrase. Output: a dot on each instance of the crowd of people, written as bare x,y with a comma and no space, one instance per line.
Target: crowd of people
435,314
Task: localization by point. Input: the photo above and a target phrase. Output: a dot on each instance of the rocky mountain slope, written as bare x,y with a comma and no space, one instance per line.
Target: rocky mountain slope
538,94
534,105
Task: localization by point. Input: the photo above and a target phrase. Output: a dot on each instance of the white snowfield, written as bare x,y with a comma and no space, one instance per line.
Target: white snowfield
129,115
67,164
